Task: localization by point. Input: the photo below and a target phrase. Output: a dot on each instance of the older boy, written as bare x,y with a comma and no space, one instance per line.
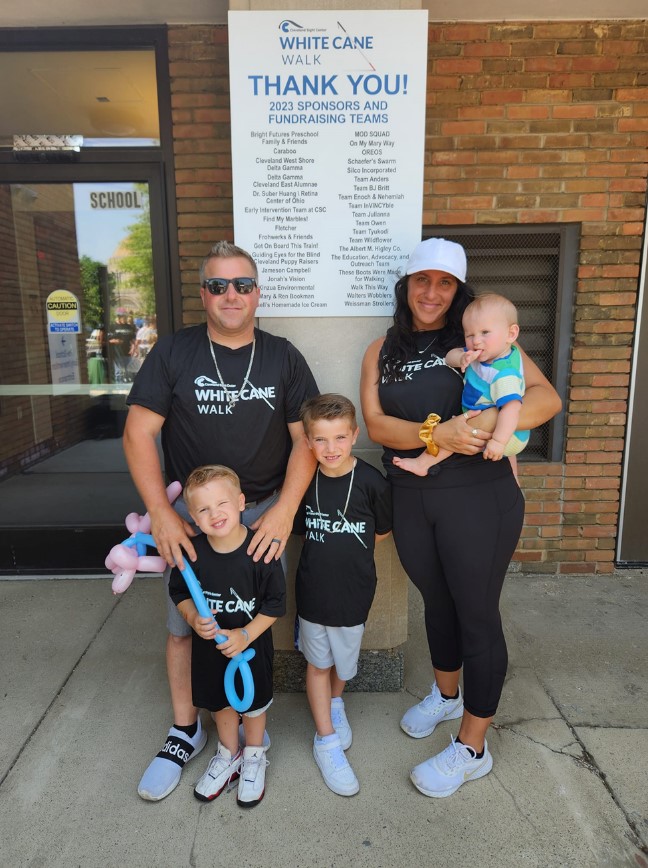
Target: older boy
346,508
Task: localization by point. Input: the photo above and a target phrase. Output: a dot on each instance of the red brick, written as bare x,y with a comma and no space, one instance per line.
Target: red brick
459,65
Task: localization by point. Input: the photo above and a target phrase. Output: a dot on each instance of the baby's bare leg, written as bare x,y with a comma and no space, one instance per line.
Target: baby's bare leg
422,463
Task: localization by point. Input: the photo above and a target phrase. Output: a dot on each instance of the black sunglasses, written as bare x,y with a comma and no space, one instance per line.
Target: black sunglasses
218,285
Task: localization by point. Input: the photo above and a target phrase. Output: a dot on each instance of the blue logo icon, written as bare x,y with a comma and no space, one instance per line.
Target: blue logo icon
286,24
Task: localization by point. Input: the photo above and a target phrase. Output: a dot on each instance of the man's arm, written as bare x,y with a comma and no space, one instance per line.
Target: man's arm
170,532
277,522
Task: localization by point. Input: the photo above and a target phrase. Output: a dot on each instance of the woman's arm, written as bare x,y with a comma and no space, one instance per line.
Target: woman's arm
398,433
541,403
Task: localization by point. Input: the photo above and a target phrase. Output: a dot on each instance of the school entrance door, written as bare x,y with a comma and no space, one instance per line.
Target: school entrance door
83,281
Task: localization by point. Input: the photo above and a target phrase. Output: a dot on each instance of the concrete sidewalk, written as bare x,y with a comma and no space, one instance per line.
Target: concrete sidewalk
83,709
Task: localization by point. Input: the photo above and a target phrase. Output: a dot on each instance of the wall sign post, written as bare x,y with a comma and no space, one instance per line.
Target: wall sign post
328,129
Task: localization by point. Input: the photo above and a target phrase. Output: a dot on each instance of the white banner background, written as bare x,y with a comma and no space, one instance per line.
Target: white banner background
328,131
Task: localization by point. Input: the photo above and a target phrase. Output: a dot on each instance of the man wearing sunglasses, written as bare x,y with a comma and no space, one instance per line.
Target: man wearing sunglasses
223,392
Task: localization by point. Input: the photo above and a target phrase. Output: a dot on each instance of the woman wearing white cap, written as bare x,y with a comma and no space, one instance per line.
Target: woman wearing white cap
455,529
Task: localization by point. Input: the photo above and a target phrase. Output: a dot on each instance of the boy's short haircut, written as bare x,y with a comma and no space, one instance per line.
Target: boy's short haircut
207,473
493,300
328,406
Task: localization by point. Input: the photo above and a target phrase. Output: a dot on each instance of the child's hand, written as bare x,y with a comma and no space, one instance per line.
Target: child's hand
204,627
494,450
467,357
236,642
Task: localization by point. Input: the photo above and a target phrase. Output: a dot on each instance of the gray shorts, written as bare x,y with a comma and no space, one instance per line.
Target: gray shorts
324,647
258,712
176,624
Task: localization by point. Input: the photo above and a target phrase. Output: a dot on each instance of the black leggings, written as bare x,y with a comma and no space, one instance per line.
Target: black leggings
455,538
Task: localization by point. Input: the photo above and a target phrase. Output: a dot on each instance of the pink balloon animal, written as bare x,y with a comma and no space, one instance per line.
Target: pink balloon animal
124,561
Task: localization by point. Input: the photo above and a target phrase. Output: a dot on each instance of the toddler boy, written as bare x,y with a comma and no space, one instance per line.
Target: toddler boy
246,598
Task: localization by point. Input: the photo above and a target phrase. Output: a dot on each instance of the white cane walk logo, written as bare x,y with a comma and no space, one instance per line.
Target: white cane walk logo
408,370
212,398
220,603
319,523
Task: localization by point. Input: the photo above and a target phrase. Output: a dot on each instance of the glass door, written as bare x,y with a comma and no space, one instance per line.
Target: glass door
84,287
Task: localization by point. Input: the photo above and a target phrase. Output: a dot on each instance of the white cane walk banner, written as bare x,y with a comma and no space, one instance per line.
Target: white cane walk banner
328,131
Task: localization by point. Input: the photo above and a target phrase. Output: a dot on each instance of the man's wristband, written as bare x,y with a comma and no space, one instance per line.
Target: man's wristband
426,433
246,634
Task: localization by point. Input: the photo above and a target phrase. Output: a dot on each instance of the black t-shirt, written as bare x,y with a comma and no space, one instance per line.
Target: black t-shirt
426,385
125,334
236,589
336,576
178,380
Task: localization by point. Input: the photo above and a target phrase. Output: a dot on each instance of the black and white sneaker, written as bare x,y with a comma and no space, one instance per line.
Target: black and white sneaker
163,774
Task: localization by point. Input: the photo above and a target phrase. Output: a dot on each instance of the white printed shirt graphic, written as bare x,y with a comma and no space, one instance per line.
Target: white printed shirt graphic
410,369
219,603
319,523
211,397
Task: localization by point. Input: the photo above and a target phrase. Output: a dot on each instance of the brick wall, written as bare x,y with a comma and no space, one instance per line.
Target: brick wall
201,135
526,123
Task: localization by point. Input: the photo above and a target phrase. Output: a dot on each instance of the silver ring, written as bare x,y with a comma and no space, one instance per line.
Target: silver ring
278,541
474,432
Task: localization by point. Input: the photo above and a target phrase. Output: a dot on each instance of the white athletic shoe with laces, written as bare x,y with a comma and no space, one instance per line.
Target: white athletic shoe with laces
443,774
251,786
334,766
222,769
421,720
340,723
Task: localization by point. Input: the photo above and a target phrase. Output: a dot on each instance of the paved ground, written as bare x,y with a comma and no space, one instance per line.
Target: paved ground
83,707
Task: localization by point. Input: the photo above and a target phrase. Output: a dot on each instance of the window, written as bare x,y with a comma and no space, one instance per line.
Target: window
535,267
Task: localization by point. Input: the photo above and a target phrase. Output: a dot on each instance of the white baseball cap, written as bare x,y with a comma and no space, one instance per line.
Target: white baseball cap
437,254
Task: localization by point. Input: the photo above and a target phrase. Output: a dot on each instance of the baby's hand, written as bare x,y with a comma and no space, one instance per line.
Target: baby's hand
204,627
235,644
467,357
494,450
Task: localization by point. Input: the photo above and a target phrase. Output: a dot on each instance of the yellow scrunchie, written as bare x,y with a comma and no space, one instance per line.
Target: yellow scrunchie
426,433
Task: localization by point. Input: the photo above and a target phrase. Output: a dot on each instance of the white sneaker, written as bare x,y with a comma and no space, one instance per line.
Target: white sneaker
340,723
222,769
421,720
251,787
334,766
443,774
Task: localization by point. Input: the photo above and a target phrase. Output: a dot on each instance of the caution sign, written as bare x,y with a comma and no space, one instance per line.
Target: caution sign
63,323
63,314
